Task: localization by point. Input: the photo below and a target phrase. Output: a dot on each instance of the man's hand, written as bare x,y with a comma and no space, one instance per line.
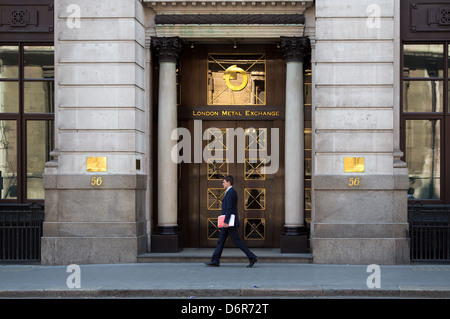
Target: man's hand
225,225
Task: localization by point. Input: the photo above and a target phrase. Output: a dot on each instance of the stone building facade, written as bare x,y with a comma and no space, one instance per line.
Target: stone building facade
316,83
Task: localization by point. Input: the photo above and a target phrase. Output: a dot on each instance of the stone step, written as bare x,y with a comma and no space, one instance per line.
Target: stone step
229,255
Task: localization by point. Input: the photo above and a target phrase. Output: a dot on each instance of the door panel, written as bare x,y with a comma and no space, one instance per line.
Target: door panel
202,91
260,204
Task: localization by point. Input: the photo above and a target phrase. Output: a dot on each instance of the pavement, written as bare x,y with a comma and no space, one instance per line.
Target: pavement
230,280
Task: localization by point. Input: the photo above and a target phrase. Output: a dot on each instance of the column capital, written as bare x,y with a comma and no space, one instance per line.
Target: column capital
294,48
166,49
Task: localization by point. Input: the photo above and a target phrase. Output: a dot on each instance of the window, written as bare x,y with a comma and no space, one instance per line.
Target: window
26,119
236,79
425,119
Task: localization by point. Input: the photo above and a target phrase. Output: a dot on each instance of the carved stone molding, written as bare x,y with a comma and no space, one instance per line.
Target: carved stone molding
229,7
230,19
294,48
166,49
197,19
229,31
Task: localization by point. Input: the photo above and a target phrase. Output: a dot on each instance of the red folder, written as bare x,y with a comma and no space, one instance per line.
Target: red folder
222,218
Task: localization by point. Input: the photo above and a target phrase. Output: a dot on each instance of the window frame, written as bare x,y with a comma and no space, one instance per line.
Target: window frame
443,116
21,119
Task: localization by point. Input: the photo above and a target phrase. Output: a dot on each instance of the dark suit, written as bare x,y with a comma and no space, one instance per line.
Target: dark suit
229,206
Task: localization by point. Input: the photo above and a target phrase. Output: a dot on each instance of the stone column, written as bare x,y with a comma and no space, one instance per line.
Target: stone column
294,237
167,237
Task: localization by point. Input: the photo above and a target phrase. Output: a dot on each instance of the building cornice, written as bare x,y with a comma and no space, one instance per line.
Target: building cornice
227,19
237,31
161,19
227,6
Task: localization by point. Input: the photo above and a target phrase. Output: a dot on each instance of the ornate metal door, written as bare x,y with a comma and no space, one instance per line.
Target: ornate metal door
239,96
260,200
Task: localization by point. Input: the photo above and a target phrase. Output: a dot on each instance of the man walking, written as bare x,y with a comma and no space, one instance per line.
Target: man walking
229,207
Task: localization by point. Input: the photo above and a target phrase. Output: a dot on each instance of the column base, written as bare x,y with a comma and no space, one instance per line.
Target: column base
167,240
294,240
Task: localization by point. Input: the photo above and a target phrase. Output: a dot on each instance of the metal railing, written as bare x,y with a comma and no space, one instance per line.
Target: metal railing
21,232
429,231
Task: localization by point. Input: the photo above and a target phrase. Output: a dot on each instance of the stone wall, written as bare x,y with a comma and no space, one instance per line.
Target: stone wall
102,109
100,101
355,76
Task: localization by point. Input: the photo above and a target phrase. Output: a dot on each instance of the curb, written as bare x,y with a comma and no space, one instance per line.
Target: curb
306,292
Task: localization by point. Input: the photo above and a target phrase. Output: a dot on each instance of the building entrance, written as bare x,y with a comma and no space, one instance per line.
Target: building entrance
232,106
249,151
231,100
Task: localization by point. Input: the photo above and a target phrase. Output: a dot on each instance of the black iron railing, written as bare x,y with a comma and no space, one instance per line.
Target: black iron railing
21,232
429,231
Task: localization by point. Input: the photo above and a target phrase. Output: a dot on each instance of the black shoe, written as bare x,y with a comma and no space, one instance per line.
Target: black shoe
210,263
252,262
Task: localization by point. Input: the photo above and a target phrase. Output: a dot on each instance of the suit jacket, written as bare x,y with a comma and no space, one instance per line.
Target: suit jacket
229,206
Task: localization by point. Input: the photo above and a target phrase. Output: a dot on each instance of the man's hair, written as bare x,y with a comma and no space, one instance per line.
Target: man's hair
229,179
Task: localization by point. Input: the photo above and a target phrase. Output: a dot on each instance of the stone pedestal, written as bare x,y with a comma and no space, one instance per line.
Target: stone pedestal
294,240
167,240
90,224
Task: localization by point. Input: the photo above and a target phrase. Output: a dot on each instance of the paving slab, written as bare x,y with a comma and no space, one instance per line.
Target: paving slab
230,280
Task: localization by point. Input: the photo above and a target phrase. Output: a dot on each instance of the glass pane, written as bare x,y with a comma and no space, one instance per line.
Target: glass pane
255,198
38,62
9,62
423,96
217,170
423,60
38,97
40,137
8,159
213,230
9,97
308,198
255,139
254,169
308,168
308,143
217,139
307,93
214,198
254,228
236,79
423,154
